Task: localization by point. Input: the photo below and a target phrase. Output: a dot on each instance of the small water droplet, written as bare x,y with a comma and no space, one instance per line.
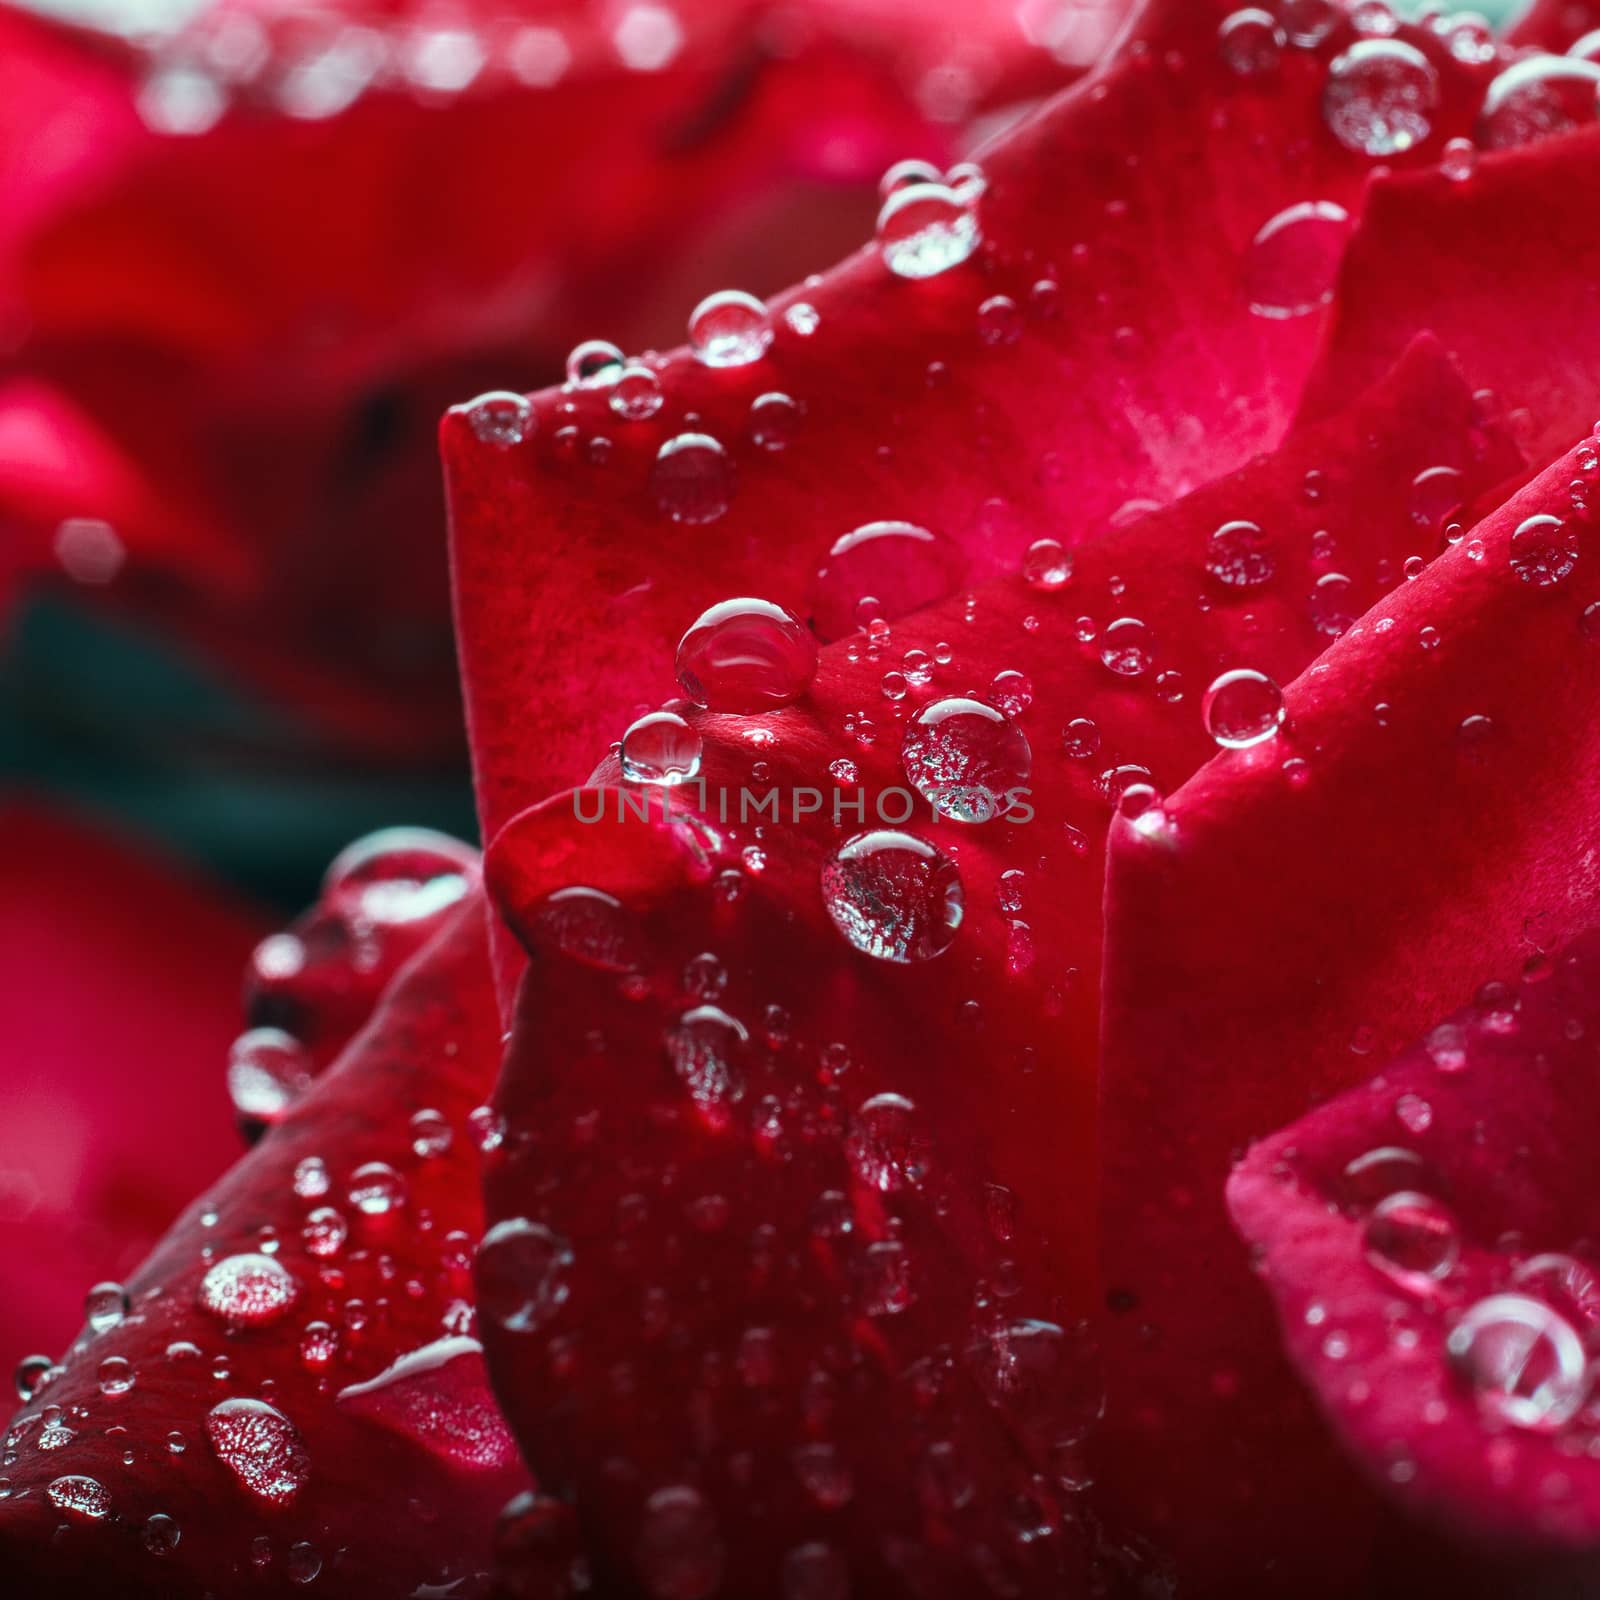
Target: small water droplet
80,1498
268,1070
1127,647
1544,549
500,418
104,1307
1240,555
680,1555
1047,565
1243,707
1412,1239
161,1534
729,329
706,1048
774,421
886,1146
1250,42
594,364
636,394
1536,97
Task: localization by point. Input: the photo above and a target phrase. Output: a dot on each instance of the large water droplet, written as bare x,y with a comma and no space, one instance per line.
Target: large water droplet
1544,549
660,748
522,1275
1522,1361
1241,556
1412,1239
1243,707
898,566
636,394
706,1048
925,229
260,1447
746,655
1127,647
439,1396
1380,97
966,758
730,329
399,876
886,1146
587,925
893,896
1044,1377
1536,97
248,1291
268,1070
500,418
1294,259
82,1499
692,479
680,1554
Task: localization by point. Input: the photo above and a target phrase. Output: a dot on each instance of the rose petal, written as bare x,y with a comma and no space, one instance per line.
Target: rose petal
1453,257
1120,367
306,1272
994,1041
121,977
1304,920
1493,1111
1554,24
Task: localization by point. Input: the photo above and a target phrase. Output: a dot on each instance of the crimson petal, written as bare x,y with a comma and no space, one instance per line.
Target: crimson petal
1297,928
271,1402
1426,1239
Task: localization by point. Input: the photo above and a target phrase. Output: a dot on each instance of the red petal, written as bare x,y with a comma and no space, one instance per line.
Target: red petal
1140,374
121,979
1297,927
294,1436
1453,257
1493,1118
994,1042
1555,24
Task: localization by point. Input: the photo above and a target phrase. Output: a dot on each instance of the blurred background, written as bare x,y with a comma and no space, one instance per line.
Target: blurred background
249,252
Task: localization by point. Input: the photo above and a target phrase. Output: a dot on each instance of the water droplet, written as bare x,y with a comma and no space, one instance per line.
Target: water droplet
999,321
886,1287
375,1189
661,747
1080,739
966,758
1376,1174
324,1232
500,418
1459,160
803,319
260,1447
311,1179
586,925
1414,1113
899,566
1127,647
1522,1361
1308,22
1380,97
893,896
268,1070
680,1554
431,1134
303,1563
730,329
1250,43
886,1146
400,876
1412,1239
1294,259
815,1572
1041,1376
104,1307
1241,556
925,229
1536,97
636,394
594,364
1333,605
746,655
774,421
33,1375
692,479
1447,1047
522,1275
82,1499
1242,707
907,172
248,1291
114,1376
1544,549
706,1048
824,1475
161,1534
1047,564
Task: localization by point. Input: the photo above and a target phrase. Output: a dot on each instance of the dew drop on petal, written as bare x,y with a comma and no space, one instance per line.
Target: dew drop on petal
261,1447
1333,605
500,418
925,229
1521,1360
375,1189
907,172
1380,97
1250,42
400,876
1127,647
886,1147
680,1554
774,420
1240,555
522,1275
815,1572
662,748
1412,1239
1293,261
248,1291
104,1307
899,566
268,1070
692,479
1459,160
587,925
729,329
636,394
115,1376
1544,549
160,1534
33,1374
1536,97
1242,707
1308,22
746,655
1047,564
79,1498
965,758
893,896
706,1048
594,364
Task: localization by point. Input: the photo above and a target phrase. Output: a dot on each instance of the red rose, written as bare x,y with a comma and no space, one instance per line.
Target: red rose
920,1027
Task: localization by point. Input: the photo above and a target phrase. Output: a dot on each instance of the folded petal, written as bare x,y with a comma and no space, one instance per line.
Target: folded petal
1314,903
290,1389
1427,1238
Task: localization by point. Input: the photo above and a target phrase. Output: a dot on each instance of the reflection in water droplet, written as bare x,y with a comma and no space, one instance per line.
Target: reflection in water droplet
1380,97
500,418
729,329
522,1275
636,394
966,758
1243,707
886,1147
1127,647
899,566
706,1048
746,655
1241,556
104,1307
1537,97
1294,259
661,747
893,896
248,1291
586,925
925,229
594,364
692,479
1522,1361
1544,549
82,1499
261,1447
1412,1239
